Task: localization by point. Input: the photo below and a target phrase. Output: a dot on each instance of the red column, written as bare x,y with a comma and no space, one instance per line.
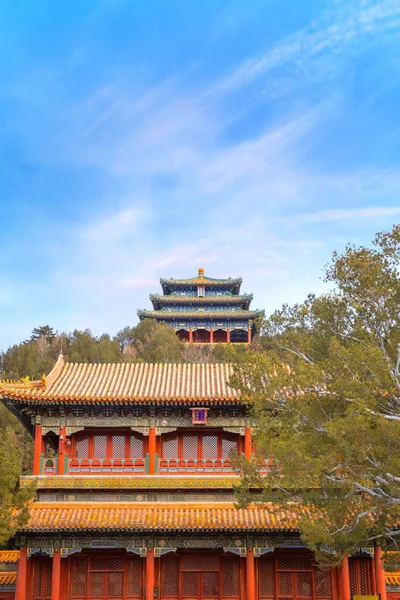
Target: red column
61,451
37,450
211,336
247,443
249,335
150,574
380,573
335,591
228,335
250,576
344,579
152,450
20,593
55,576
190,335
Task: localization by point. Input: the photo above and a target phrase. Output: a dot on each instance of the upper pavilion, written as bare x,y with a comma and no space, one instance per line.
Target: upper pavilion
204,310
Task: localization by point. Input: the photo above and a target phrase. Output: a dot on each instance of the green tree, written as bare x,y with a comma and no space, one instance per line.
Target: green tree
326,397
43,331
150,341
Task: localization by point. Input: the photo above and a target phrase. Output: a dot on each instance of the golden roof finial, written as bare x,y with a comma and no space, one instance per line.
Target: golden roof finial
201,272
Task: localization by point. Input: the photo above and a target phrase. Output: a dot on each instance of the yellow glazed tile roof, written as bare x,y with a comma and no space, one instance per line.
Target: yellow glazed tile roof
9,556
392,578
145,517
8,578
125,382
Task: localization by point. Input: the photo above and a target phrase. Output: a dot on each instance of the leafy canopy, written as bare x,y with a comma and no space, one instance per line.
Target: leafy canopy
325,391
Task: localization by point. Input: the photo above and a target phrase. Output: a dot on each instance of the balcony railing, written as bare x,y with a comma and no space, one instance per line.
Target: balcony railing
107,465
200,465
140,466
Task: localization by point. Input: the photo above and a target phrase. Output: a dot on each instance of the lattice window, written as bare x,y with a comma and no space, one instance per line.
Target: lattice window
136,450
294,562
118,446
200,562
285,584
322,584
190,584
97,584
170,447
229,446
82,447
115,584
267,577
210,584
78,576
42,579
134,577
100,446
353,578
304,585
364,576
189,446
230,576
107,563
170,576
210,446
359,576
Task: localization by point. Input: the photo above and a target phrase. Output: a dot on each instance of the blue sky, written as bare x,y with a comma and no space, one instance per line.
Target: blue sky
142,139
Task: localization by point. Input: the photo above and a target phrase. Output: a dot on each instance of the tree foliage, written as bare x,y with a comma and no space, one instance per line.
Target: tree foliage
325,392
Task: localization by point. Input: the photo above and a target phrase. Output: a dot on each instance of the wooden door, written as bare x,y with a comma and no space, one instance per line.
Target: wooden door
200,577
200,586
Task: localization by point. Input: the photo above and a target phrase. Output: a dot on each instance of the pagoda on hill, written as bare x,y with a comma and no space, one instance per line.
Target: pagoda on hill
204,310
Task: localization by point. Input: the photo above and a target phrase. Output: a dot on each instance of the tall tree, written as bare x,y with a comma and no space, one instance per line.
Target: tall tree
326,396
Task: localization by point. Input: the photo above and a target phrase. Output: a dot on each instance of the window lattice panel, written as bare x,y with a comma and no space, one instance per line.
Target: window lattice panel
189,446
115,584
285,584
134,577
267,577
322,584
136,446
294,563
82,447
190,584
229,446
230,577
97,584
107,563
170,448
210,446
118,446
200,562
170,575
364,576
304,584
210,584
100,446
78,575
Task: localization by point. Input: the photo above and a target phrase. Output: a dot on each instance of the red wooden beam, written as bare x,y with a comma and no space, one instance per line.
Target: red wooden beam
20,593
37,450
150,574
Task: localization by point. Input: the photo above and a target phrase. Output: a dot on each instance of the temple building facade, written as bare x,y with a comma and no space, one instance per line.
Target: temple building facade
134,468
204,310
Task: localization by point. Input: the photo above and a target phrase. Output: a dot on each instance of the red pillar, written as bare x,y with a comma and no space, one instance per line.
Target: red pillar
190,335
335,591
211,336
61,451
250,576
55,576
344,579
380,573
37,450
249,335
247,443
152,450
150,574
20,593
228,335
